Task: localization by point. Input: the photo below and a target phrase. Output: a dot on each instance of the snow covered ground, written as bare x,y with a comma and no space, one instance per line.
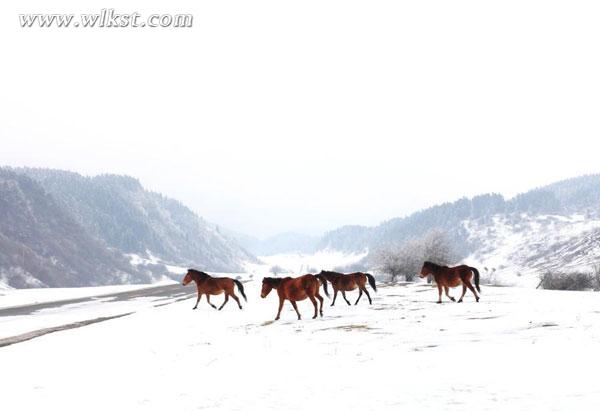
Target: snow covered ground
299,263
518,349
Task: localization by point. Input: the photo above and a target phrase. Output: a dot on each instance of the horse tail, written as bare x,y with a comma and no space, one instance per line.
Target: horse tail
240,288
476,272
371,281
323,280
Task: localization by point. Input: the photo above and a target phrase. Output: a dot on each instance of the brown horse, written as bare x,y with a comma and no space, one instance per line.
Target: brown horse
452,277
296,289
214,286
349,282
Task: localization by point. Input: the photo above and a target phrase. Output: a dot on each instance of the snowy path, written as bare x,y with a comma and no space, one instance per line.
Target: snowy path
25,321
26,297
516,349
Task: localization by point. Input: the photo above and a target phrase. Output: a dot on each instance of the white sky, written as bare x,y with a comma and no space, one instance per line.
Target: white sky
271,116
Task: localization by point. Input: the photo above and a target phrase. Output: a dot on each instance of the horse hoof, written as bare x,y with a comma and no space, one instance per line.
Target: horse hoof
453,300
460,301
439,302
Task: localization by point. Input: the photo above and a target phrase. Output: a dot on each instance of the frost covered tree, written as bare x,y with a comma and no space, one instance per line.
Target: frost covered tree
437,248
406,260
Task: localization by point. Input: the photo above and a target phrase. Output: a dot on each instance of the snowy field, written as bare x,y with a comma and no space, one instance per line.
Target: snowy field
518,349
300,263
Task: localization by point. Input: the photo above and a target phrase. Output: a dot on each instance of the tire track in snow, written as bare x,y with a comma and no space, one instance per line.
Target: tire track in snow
38,333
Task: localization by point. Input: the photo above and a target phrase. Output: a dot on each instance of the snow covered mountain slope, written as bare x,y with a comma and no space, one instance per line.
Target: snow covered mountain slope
43,245
121,212
61,229
516,249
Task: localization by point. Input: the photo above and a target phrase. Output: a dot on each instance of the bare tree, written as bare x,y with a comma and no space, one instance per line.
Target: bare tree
406,260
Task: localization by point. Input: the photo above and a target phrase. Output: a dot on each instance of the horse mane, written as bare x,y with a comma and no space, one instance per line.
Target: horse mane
323,272
198,274
272,281
432,266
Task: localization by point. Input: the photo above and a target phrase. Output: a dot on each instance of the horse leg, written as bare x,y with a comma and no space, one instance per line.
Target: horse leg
463,293
197,301
368,295
224,302
344,295
209,303
321,300
439,301
360,292
334,296
448,295
314,301
281,300
296,308
237,300
473,291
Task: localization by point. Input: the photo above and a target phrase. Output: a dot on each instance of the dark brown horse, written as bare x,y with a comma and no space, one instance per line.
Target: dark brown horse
349,282
452,277
296,289
214,286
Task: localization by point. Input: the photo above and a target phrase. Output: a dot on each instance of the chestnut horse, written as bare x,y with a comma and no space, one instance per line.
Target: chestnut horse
452,277
296,289
349,282
214,286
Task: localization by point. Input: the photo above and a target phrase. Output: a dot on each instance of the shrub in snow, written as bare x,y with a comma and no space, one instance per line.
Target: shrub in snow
596,276
574,281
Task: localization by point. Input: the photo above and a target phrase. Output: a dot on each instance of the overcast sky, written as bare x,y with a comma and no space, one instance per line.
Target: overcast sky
271,116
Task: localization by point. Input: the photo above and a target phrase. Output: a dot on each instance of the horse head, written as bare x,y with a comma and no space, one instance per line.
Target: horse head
428,268
193,275
268,283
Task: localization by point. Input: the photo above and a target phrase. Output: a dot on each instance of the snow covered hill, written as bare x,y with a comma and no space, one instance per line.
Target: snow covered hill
61,229
121,212
516,249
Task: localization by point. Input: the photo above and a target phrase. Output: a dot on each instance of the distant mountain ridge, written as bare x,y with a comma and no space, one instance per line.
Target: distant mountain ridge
108,212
